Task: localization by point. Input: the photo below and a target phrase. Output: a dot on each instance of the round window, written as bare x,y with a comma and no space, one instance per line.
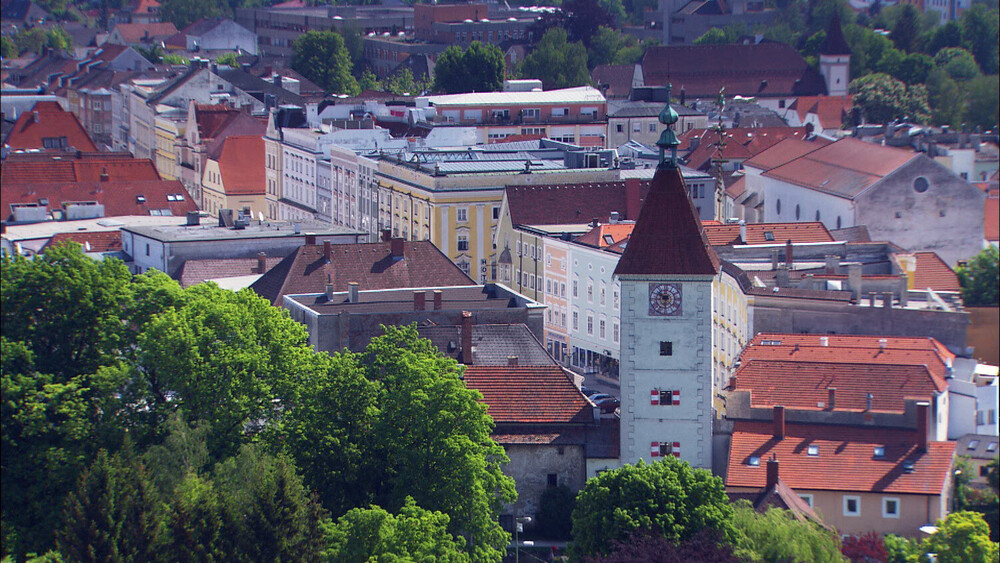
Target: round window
921,184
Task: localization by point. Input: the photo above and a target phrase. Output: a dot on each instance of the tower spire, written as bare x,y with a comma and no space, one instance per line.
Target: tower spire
668,139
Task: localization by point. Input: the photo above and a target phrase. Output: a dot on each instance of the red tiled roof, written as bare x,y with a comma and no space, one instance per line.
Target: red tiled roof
764,69
668,238
831,110
855,341
991,220
118,198
98,241
844,168
845,462
933,272
53,122
139,32
371,265
529,394
737,188
934,361
194,272
784,152
618,79
721,235
557,204
211,118
242,165
803,385
740,143
35,169
145,6
597,236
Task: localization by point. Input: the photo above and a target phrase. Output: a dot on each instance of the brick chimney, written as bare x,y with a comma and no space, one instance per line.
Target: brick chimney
105,177
467,338
779,422
832,266
261,262
352,292
923,412
789,254
396,247
831,401
386,235
310,238
419,300
512,361
772,473
632,203
438,298
328,251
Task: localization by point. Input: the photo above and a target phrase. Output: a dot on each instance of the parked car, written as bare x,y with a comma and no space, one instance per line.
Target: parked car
598,397
587,391
608,404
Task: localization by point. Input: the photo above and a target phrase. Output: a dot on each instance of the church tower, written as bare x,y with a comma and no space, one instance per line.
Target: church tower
666,275
835,60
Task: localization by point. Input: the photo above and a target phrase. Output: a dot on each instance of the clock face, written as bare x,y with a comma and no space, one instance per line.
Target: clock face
664,299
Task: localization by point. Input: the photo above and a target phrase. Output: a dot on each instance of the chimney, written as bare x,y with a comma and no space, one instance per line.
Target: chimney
396,247
614,217
789,254
512,361
831,399
419,300
34,116
832,264
310,239
824,341
732,383
437,299
632,203
386,235
329,292
772,473
467,338
743,231
887,300
104,175
261,262
774,259
277,80
923,410
779,422
352,292
595,223
882,343
328,251
854,281
193,218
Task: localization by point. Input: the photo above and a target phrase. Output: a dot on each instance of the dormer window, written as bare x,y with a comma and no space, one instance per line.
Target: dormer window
879,452
754,461
813,450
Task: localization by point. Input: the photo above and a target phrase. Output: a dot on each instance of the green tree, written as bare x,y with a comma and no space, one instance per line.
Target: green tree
982,101
914,68
962,537
195,528
867,49
227,59
8,48
881,98
979,278
947,35
667,497
704,547
777,535
114,514
322,57
183,13
993,475
556,62
958,63
902,550
821,12
415,534
714,36
183,452
980,29
480,68
368,81
555,513
945,98
906,28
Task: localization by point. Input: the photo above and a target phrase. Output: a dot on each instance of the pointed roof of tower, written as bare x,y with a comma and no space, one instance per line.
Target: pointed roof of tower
668,238
835,43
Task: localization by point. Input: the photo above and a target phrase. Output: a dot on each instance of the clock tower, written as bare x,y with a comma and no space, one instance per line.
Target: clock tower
666,275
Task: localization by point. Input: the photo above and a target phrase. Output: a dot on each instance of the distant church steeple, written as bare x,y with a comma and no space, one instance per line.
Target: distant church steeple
835,60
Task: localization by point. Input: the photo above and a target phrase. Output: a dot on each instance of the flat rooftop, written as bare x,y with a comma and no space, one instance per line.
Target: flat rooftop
209,229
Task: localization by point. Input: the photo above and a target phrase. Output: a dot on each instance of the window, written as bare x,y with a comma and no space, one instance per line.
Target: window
665,397
614,298
590,324
575,288
560,112
666,348
973,444
463,243
777,206
552,479
652,128
817,214
636,127
562,289
812,450
576,320
879,452
798,212
590,291
753,461
603,292
531,112
615,332
548,286
808,499
462,214
921,184
620,128
852,505
147,250
496,213
54,142
601,326
890,508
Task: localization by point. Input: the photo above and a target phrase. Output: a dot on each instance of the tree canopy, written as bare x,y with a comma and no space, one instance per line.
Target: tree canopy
776,535
668,498
881,99
556,62
979,278
322,57
480,68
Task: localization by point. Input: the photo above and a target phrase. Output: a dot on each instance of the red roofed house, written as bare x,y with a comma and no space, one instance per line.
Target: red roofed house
902,197
48,127
93,242
550,431
141,33
234,176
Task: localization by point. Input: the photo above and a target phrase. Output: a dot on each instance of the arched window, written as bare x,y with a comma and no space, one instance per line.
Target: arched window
798,211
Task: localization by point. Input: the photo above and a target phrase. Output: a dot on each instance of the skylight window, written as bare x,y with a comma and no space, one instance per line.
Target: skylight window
754,461
609,240
170,197
908,466
140,199
991,447
770,343
973,444
813,450
769,235
879,452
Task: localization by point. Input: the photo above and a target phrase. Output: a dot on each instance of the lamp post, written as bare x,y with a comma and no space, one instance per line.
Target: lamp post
518,528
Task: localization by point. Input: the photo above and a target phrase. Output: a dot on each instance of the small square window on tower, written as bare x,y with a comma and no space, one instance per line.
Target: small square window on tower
666,348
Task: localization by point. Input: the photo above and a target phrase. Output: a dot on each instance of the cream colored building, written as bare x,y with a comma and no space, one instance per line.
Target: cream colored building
166,156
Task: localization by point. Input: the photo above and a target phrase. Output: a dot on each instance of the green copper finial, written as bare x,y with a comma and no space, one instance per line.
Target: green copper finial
668,139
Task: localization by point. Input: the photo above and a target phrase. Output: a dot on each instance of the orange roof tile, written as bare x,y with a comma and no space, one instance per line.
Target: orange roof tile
991,220
853,341
139,32
741,143
529,394
93,241
68,168
831,110
242,165
935,362
845,460
118,198
784,152
599,235
668,238
721,235
933,272
52,122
